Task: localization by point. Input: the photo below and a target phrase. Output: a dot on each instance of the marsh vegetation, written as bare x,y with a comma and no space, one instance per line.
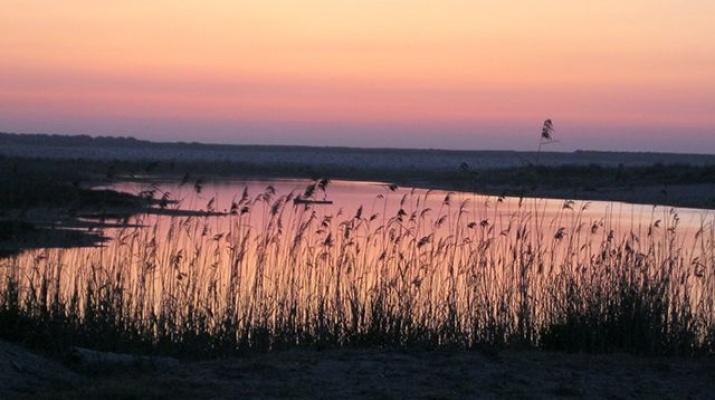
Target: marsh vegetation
416,270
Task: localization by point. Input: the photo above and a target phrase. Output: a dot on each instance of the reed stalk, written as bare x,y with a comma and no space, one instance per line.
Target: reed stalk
469,273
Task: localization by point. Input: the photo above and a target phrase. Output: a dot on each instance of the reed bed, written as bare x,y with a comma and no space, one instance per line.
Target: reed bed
438,271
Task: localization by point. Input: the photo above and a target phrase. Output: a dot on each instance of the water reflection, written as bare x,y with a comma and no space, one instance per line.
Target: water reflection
348,196
452,267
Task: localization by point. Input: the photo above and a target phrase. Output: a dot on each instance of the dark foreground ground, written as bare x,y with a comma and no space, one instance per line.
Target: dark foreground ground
357,374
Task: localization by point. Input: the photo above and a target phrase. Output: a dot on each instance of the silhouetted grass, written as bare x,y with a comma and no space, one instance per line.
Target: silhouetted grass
467,273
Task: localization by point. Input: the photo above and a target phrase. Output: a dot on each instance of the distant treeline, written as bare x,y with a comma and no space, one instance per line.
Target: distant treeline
68,140
45,139
60,140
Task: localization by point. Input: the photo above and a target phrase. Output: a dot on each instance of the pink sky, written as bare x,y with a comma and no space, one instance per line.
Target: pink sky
461,74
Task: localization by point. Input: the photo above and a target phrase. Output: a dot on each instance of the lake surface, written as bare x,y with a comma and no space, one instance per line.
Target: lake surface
378,198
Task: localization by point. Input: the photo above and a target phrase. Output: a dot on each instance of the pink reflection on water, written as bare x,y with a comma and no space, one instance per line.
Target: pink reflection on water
379,199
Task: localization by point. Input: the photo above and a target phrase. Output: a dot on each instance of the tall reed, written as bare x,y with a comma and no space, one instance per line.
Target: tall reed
441,270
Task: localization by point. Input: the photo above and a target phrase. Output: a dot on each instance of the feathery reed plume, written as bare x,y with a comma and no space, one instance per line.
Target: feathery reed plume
473,273
547,132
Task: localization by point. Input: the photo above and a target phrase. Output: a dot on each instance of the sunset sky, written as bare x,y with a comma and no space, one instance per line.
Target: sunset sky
630,75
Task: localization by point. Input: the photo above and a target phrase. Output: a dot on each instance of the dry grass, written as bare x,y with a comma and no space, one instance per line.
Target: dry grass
436,273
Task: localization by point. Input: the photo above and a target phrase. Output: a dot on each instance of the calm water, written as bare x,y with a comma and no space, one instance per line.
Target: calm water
378,199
